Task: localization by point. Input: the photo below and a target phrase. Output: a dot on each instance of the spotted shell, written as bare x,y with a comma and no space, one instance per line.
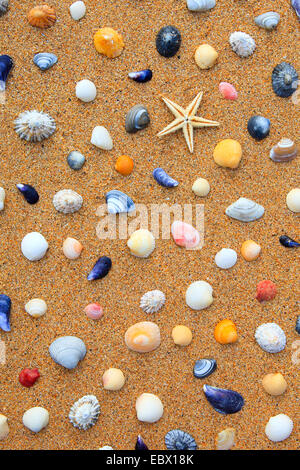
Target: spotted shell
34,126
67,201
85,412
152,301
242,44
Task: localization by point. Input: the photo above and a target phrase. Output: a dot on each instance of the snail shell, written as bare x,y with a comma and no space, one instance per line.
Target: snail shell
137,118
285,151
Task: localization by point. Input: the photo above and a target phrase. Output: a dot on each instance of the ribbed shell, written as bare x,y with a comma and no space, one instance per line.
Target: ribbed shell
67,201
204,368
179,440
3,6
242,44
67,351
245,210
200,5
137,119
284,80
118,202
85,412
152,301
44,60
268,20
34,126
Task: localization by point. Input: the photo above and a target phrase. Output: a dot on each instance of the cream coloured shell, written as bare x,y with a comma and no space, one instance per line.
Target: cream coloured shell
205,56
72,248
85,412
4,428
242,44
143,337
274,384
113,379
36,307
36,418
149,408
250,250
141,243
101,138
152,301
268,20
245,210
34,126
199,295
2,198
279,427
285,151
67,201
225,439
201,187
293,200
270,337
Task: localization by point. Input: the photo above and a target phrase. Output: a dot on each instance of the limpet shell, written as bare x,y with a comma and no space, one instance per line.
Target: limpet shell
149,408
137,119
42,16
152,301
36,307
284,80
168,41
225,439
285,151
34,126
72,248
3,9
242,44
143,337
85,412
67,201
180,440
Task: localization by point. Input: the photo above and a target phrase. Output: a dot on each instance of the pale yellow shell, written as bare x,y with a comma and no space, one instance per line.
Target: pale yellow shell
274,384
182,335
72,248
2,198
201,187
113,379
225,439
141,243
36,307
205,56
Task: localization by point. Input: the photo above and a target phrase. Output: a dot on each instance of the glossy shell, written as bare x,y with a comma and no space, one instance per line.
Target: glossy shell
200,5
141,76
228,153
162,178
288,242
285,151
118,202
36,308
85,412
149,408
101,138
141,243
226,258
109,42
179,440
296,5
34,246
225,439
100,269
199,295
152,301
245,210
143,337
228,91
242,44
279,428
67,351
137,119
224,401
284,80
42,16
75,160
67,201
3,6
268,20
185,235
168,41
225,332
77,10
5,306
140,444
6,64
258,127
29,192
204,367
34,126
44,60
270,337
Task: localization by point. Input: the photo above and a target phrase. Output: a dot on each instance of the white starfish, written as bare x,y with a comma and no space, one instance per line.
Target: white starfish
186,120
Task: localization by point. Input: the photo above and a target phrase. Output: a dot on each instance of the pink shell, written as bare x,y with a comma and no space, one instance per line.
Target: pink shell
185,234
228,91
94,311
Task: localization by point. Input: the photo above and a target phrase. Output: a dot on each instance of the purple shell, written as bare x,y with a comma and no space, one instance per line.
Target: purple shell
224,401
140,444
5,305
296,5
100,269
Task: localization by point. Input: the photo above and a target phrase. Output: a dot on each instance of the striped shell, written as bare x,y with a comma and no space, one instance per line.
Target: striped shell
268,20
137,119
179,440
67,351
118,202
85,412
285,151
245,210
152,301
44,60
200,5
204,368
34,126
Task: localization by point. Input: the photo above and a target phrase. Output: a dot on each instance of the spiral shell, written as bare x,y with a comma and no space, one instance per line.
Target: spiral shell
3,6
34,126
268,20
179,440
67,351
85,412
242,44
285,151
137,118
44,60
143,337
67,201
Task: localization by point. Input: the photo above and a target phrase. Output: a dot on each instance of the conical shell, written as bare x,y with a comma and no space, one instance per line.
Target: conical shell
34,126
242,44
143,337
285,151
36,307
268,20
42,16
245,210
152,301
67,201
67,351
44,60
85,412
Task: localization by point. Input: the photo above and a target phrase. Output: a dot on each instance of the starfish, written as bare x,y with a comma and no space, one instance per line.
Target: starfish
186,120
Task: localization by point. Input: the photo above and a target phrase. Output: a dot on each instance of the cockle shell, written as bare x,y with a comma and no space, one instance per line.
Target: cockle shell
205,56
149,408
200,5
118,202
113,379
225,439
270,337
3,10
242,44
268,20
29,192
44,60
67,351
34,126
137,119
201,187
77,10
226,258
279,427
67,201
284,80
204,368
141,243
6,64
94,311
101,268
101,138
224,401
2,198
152,301
285,151
143,337
85,412
179,440
36,419
42,16
164,179
4,428
34,246
36,307
199,295
245,210
5,306
72,248
185,235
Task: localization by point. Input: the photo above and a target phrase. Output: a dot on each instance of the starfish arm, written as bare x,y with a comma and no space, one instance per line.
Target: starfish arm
172,127
177,110
188,134
194,105
201,122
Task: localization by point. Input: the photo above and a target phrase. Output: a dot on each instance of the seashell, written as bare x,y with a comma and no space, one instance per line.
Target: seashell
245,210
6,64
152,301
108,42
124,165
77,10
3,9
285,151
2,198
36,419
106,448
293,200
228,153
34,126
45,60
5,306
201,187
296,5
72,248
94,311
226,258
185,234
101,138
137,119
168,41
242,44
140,444
42,16
164,179
67,201
118,202
85,412
288,242
228,91
204,368
100,269
4,428
67,351
86,91
199,295
113,379
270,337
182,335
143,337
250,250
225,332
28,377
225,439
29,193
75,160
274,384
297,327
224,401
205,56
284,80
149,408
279,427
141,243
36,308
265,290
259,127
268,20
142,76
200,5
34,246
180,440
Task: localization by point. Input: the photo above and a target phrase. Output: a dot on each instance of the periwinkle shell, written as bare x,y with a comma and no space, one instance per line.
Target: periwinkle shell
67,351
179,440
118,202
204,368
224,401
6,64
200,5
288,242
44,60
140,444
137,119
168,41
164,179
29,192
5,306
141,76
268,20
284,80
100,269
75,160
259,127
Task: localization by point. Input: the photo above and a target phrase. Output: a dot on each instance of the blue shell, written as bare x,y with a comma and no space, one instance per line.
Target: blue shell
204,368
164,179
297,328
180,440
168,41
284,80
45,60
100,269
222,400
259,127
118,202
75,160
296,5
142,76
140,444
29,193
6,64
5,305
288,242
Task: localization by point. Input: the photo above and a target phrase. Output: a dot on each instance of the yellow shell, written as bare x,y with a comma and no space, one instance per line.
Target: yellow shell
228,153
225,439
113,379
250,250
141,243
205,56
143,337
182,335
42,16
109,42
274,384
225,332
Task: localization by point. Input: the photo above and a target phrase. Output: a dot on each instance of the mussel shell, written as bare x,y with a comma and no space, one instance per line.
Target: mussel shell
118,202
297,328
179,440
296,5
140,444
137,119
168,41
5,306
75,160
164,179
204,368
259,127
6,64
288,242
44,60
284,80
141,76
100,269
224,401
29,192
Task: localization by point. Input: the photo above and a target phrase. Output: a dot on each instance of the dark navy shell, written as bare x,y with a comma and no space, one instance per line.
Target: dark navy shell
284,80
100,269
296,5
140,444
223,400
288,242
6,64
29,193
204,368
168,41
142,76
5,306
180,440
298,325
259,127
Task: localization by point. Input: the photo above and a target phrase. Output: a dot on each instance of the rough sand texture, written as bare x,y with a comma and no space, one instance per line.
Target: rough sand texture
167,371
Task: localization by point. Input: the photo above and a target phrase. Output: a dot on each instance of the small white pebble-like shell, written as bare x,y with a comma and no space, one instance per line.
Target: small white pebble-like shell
34,246
67,201
2,198
149,408
226,258
36,418
113,379
141,243
293,200
199,295
36,307
270,337
4,428
101,138
152,301
201,187
279,427
86,91
242,44
77,10
72,248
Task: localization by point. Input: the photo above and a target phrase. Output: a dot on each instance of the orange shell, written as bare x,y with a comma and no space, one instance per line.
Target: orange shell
108,42
124,165
250,250
143,337
42,16
225,332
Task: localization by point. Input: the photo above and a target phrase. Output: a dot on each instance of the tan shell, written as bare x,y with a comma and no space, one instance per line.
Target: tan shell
205,56
143,337
42,16
113,379
225,439
182,335
67,201
250,250
274,384
72,248
285,151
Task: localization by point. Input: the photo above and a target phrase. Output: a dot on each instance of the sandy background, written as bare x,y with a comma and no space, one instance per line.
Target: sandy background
167,371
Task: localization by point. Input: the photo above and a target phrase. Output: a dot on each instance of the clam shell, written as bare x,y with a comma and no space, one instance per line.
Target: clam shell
44,60
100,269
101,138
152,301
279,427
245,210
75,160
137,119
2,198
118,202
149,408
296,5
34,246
179,440
200,5
164,179
5,306
185,235
284,80
67,351
72,248
143,337
77,10
268,20
36,419
270,337
226,258
3,6
242,44
85,412
67,201
29,193
36,307
34,126
204,368
141,243
225,439
224,401
285,151
6,64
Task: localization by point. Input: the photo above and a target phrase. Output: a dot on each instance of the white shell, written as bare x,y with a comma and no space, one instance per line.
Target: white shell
268,20
101,138
86,91
226,258
67,351
201,187
270,337
106,448
141,243
200,5
34,246
77,10
34,126
245,210
242,44
293,200
85,412
2,198
36,418
36,307
152,301
149,408
199,295
72,248
4,429
67,201
279,427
